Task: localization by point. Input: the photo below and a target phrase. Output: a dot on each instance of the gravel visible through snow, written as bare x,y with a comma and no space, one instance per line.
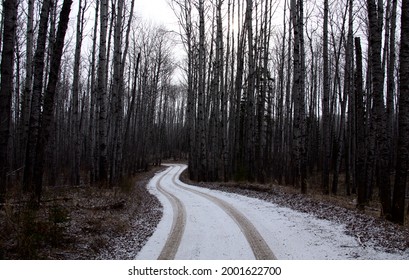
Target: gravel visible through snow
368,230
293,226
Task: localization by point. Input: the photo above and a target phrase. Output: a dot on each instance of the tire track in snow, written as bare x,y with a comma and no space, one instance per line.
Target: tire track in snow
259,246
178,225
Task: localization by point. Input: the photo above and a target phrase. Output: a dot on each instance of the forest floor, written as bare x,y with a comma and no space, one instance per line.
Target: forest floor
81,222
92,223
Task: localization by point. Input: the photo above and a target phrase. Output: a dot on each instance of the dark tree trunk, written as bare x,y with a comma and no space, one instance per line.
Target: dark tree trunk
398,206
6,91
326,134
49,96
25,115
391,89
76,156
34,122
360,129
378,131
102,92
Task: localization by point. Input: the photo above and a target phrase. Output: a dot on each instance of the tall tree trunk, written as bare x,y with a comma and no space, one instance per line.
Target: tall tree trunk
75,173
302,110
391,87
360,129
25,115
402,165
326,134
6,91
36,98
250,100
117,95
93,118
349,80
238,87
201,137
378,132
102,93
49,96
298,95
121,88
343,97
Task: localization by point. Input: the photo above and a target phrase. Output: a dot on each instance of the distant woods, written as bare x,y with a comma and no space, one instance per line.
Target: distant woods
107,109
295,92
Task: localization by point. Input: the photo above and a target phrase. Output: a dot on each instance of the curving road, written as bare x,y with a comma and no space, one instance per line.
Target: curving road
201,225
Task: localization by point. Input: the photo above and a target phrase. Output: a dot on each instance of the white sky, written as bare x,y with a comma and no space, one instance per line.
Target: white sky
157,11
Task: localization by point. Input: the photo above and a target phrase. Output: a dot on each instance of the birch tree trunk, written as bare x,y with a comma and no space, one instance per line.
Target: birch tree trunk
102,93
378,131
117,95
75,173
36,102
360,129
398,206
25,115
299,161
250,100
391,87
326,136
6,91
49,96
201,137
93,114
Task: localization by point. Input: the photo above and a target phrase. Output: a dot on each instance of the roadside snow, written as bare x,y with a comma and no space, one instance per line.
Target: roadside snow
294,235
211,234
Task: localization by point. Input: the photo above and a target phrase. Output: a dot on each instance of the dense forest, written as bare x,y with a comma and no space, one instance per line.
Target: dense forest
304,93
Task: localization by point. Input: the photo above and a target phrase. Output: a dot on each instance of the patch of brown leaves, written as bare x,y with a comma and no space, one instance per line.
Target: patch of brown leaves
81,222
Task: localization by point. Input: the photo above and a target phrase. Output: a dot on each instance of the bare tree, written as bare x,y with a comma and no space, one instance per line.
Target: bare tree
75,174
6,91
36,98
102,92
25,116
49,97
326,134
398,206
360,129
378,131
298,95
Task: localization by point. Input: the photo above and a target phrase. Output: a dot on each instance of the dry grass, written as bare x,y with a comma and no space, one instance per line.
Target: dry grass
71,222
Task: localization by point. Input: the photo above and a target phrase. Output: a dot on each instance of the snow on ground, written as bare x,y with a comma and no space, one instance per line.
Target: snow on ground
211,234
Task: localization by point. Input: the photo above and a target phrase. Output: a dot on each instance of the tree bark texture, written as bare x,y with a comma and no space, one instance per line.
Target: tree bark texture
402,165
6,91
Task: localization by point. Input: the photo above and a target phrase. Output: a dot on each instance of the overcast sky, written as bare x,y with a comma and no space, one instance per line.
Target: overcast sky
157,11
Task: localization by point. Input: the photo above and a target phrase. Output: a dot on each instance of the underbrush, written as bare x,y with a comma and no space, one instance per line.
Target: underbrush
71,222
26,230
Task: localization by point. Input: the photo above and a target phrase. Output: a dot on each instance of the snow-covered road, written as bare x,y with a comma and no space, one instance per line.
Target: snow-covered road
199,223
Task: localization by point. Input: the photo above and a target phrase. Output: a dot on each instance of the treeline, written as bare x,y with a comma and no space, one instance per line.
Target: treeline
318,92
112,109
